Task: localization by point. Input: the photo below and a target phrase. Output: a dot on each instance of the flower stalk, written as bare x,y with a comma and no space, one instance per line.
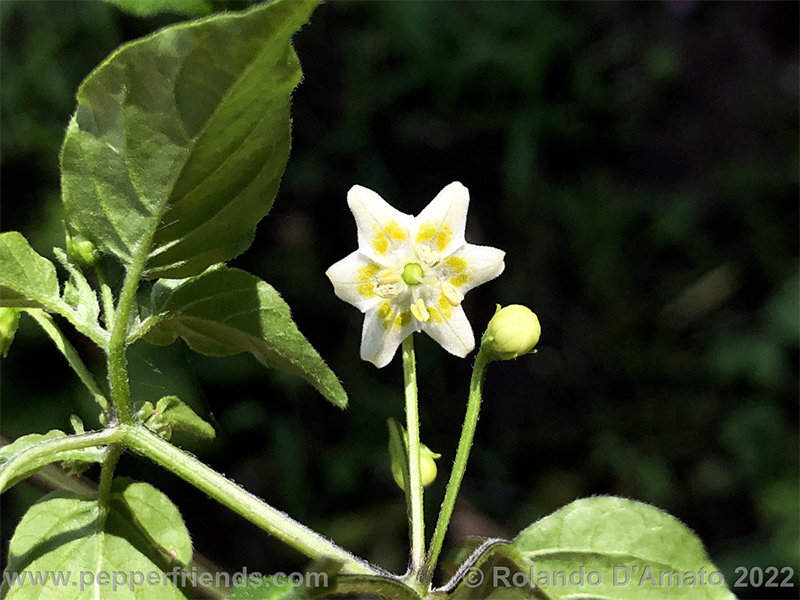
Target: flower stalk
414,491
459,466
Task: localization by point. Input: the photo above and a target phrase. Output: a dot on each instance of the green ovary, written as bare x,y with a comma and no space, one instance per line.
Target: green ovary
413,274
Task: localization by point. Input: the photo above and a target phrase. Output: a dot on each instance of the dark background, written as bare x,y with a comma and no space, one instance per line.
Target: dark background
638,163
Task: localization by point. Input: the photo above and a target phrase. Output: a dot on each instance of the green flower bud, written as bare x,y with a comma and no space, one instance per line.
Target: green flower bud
427,467
81,250
9,321
512,332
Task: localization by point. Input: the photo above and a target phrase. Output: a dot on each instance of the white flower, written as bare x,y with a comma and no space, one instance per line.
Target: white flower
411,273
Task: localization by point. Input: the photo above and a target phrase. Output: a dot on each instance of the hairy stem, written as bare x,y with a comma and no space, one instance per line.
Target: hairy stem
414,488
68,350
117,361
106,479
49,451
255,510
459,466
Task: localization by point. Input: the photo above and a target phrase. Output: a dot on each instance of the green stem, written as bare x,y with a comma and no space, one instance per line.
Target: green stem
68,350
49,451
117,361
414,491
255,510
106,479
459,466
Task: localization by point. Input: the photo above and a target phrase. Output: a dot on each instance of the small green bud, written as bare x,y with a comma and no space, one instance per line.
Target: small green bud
9,321
81,250
427,467
512,332
413,274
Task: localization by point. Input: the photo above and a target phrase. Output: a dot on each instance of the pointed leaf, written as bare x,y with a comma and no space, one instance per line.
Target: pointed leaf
228,311
180,139
156,517
625,542
77,292
65,534
27,280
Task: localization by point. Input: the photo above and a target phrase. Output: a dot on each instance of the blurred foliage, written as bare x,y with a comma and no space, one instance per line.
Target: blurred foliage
639,164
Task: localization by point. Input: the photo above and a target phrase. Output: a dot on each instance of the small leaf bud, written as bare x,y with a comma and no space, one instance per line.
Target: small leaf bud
81,250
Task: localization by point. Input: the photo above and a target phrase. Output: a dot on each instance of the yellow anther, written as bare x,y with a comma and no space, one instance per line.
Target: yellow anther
451,294
387,290
388,276
419,311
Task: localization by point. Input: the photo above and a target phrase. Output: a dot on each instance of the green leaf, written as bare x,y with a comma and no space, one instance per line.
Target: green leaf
65,533
73,460
27,280
156,517
179,141
77,292
228,311
148,8
173,414
266,588
9,321
637,550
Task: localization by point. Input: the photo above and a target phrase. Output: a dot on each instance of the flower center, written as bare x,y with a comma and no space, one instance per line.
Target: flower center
412,274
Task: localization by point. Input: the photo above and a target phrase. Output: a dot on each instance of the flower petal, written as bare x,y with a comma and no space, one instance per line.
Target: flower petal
471,265
382,229
383,331
453,332
353,280
441,224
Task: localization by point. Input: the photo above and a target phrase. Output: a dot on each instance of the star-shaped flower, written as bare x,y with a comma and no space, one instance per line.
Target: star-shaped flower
411,273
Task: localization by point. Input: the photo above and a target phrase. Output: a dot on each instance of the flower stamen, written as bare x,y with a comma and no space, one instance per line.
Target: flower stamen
419,311
388,276
430,257
387,290
451,294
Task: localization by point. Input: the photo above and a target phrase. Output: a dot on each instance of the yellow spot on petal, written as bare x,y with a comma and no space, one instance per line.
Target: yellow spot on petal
459,280
444,237
367,272
380,242
385,313
456,263
445,307
426,231
402,319
395,231
366,289
436,316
